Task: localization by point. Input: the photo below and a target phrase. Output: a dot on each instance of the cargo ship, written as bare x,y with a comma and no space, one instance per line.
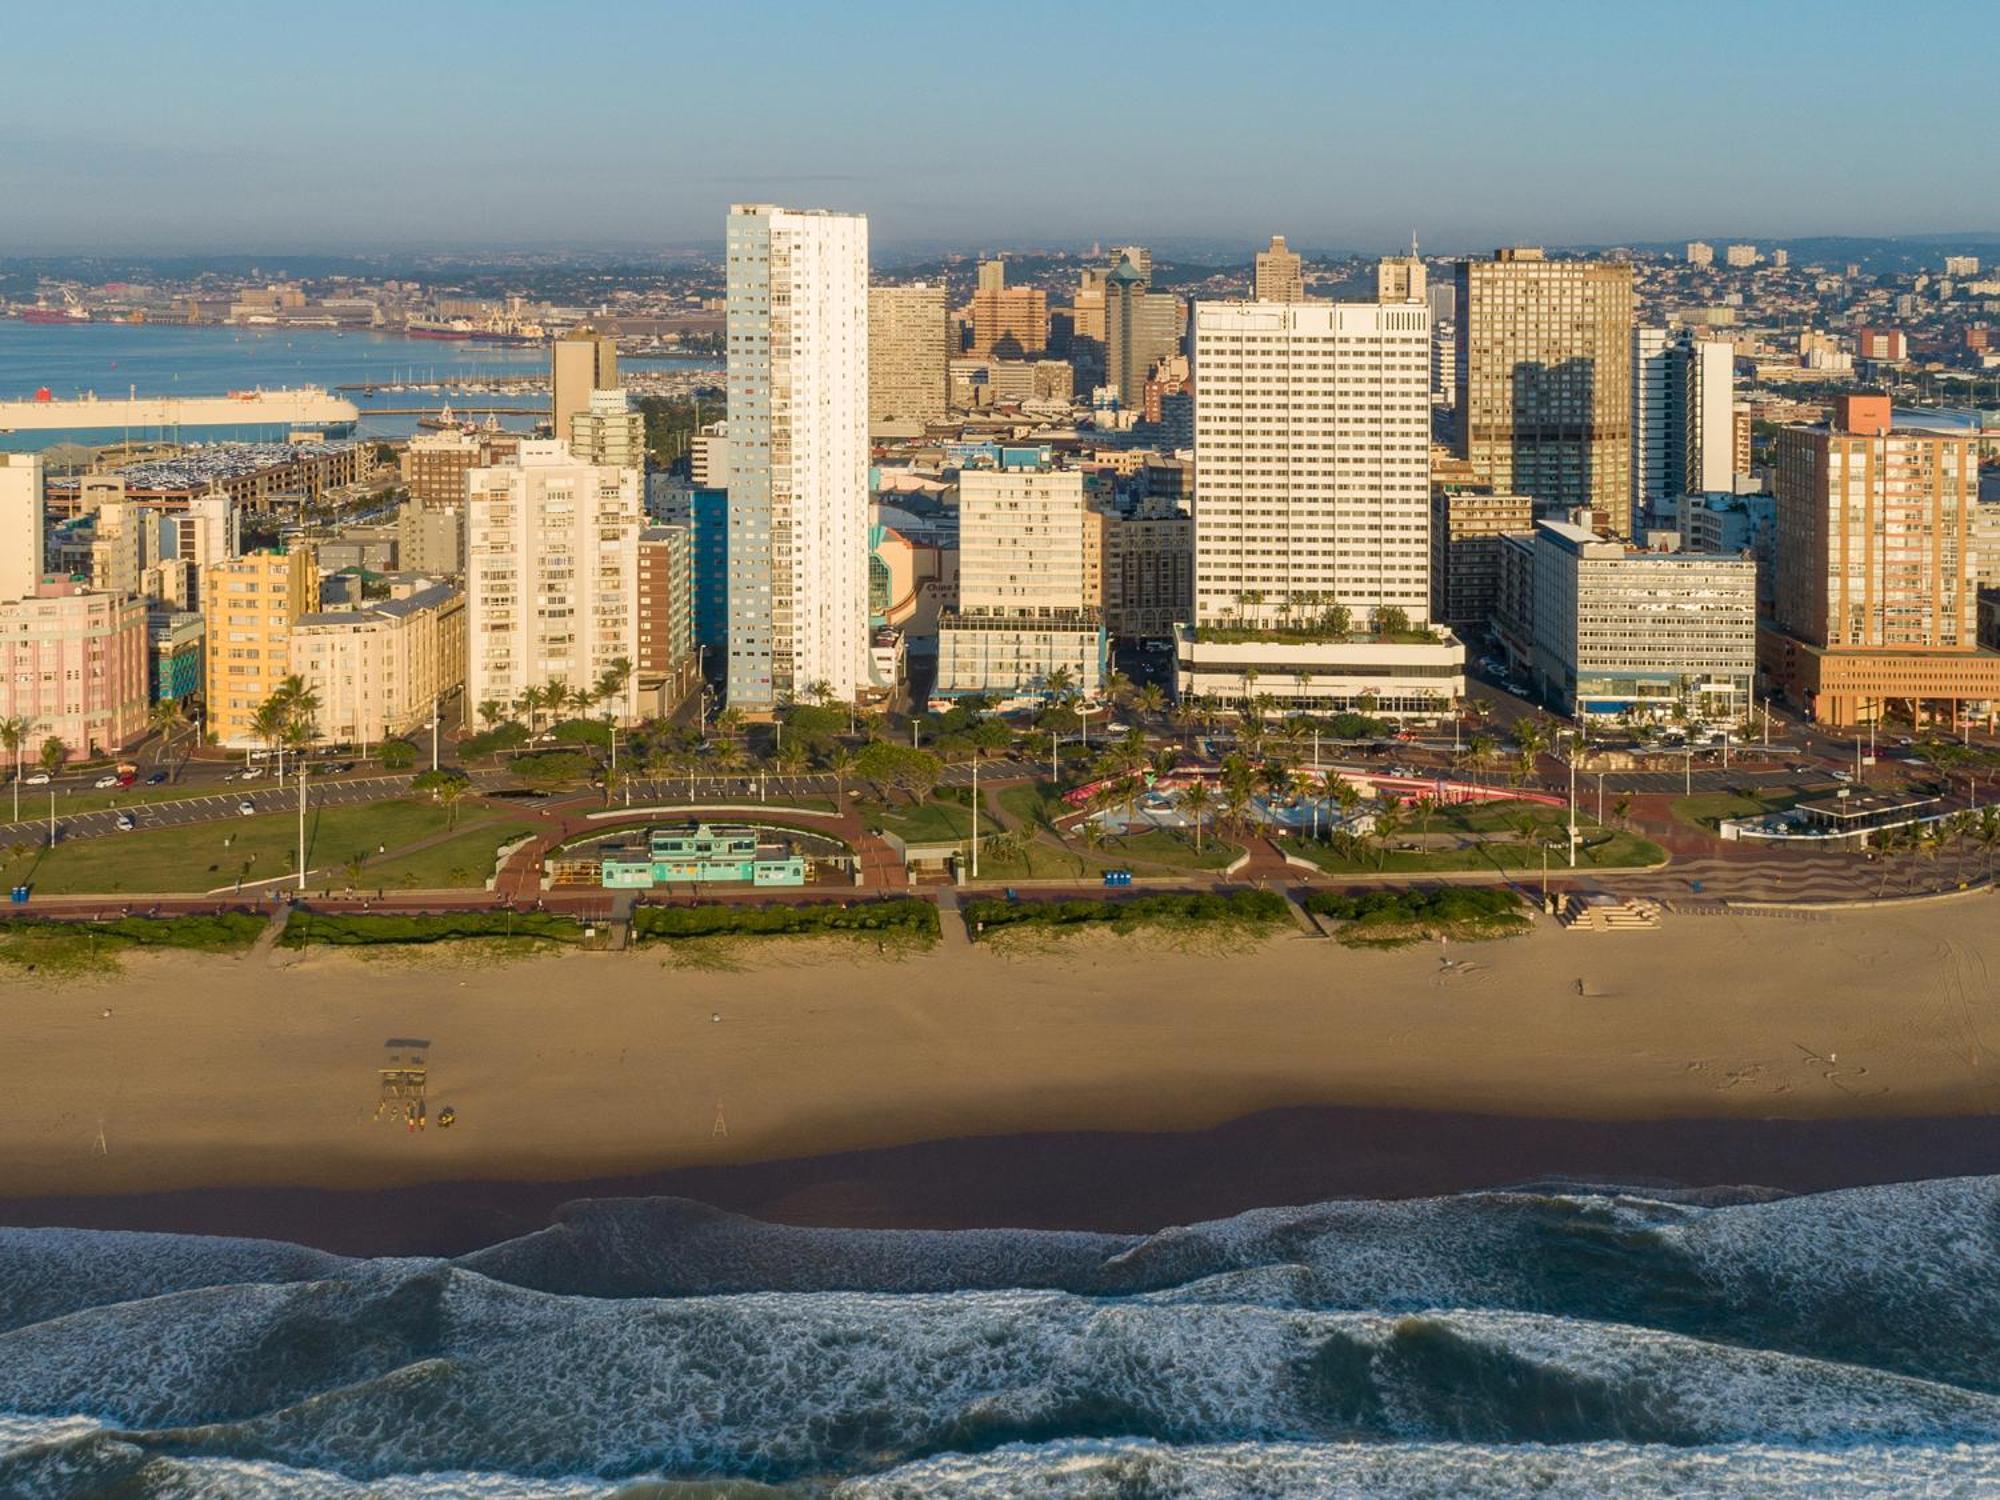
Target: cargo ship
52,315
462,329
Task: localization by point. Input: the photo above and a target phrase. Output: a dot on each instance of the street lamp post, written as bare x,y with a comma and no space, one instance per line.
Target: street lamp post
302,830
975,816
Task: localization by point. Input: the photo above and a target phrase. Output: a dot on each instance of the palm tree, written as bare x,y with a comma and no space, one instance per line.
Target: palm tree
1057,683
1152,700
556,697
611,681
449,793
840,761
162,719
491,712
54,754
1388,823
1197,801
1479,750
14,734
268,724
529,705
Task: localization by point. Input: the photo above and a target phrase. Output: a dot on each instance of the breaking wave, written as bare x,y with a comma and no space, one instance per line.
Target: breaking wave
1547,1341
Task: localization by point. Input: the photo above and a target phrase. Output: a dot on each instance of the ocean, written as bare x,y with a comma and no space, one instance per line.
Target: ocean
1554,1341
163,359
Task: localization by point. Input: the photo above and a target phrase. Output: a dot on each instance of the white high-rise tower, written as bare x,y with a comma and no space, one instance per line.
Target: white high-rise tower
798,454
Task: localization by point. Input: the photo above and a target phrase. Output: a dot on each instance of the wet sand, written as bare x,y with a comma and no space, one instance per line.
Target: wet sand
1092,1083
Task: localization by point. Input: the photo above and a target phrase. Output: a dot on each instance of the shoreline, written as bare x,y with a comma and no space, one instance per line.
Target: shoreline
1087,1081
1132,1182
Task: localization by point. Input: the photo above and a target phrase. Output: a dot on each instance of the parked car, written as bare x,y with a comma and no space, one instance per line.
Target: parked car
246,807
105,783
156,779
39,778
250,774
125,823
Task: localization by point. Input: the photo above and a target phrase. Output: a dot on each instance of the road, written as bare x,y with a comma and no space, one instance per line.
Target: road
209,807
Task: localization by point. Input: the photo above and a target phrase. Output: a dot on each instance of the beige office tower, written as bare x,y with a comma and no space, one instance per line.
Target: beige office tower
908,353
1312,461
1280,274
1087,311
610,431
1400,278
20,525
1012,322
1141,259
1545,379
1141,328
579,363
551,575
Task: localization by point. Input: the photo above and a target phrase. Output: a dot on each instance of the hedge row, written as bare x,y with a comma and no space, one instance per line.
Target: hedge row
1432,906
307,927
225,932
1243,907
670,922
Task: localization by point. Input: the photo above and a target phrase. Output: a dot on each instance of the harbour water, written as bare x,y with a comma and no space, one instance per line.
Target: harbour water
1554,1340
112,359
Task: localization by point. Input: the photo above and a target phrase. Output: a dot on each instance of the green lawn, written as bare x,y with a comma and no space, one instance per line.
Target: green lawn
933,822
1040,861
1163,846
1601,848
1705,810
1036,804
464,860
209,856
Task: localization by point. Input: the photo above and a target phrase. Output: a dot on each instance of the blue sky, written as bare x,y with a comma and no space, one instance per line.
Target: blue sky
207,125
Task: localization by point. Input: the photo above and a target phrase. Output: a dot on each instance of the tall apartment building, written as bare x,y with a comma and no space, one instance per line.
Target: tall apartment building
704,515
1700,254
1618,628
1545,378
251,604
1027,549
1011,322
667,663
908,353
1877,588
1278,274
77,665
1466,527
1961,265
798,454
1887,344
1147,571
1312,490
579,363
609,431
708,456
1312,460
552,556
20,524
431,538
382,668
1141,328
1683,419
1739,256
1087,305
434,464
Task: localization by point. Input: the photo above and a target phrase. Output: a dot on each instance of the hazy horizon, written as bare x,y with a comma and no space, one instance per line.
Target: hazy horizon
509,125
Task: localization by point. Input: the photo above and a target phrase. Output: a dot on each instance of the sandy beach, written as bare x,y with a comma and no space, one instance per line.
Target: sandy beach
261,1073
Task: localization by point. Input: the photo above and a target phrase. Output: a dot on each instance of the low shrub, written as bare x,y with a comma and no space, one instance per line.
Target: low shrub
1389,918
396,755
666,923
493,741
1240,908
223,933
345,930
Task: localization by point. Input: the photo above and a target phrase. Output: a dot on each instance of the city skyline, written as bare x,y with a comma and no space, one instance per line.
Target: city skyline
1438,144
